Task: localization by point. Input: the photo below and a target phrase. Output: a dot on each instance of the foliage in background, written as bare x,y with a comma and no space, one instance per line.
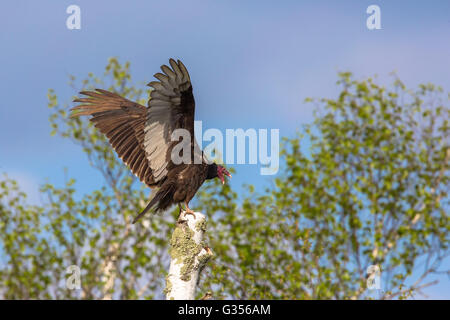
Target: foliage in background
370,189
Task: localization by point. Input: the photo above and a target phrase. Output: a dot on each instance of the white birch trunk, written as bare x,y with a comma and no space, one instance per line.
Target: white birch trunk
189,254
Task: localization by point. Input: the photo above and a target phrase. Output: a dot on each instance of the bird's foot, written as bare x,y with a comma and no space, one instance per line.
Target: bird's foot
189,211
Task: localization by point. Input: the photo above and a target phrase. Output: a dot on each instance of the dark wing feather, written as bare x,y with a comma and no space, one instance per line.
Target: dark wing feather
171,107
123,123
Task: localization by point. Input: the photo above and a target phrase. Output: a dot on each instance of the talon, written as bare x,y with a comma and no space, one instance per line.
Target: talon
189,211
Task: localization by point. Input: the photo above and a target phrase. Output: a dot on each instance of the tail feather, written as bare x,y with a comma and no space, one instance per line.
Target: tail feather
147,208
162,200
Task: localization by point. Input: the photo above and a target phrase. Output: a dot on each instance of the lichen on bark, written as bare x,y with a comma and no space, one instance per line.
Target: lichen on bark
184,249
201,226
168,285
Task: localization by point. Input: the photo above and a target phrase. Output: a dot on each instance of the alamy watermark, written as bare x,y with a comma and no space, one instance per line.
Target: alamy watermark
74,20
241,147
73,282
373,22
373,281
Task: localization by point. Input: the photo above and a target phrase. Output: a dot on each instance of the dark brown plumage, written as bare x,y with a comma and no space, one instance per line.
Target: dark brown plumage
141,136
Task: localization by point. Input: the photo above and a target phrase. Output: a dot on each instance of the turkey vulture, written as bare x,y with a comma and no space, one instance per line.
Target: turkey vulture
141,136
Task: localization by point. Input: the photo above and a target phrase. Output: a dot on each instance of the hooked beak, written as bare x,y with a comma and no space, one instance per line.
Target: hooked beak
221,174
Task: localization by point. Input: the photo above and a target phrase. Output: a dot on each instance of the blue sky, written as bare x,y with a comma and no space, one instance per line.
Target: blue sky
252,63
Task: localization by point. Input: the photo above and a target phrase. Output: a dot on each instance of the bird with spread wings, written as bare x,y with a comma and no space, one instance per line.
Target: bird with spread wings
142,137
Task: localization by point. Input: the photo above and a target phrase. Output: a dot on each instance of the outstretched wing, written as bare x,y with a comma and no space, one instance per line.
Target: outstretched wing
142,136
171,107
123,123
